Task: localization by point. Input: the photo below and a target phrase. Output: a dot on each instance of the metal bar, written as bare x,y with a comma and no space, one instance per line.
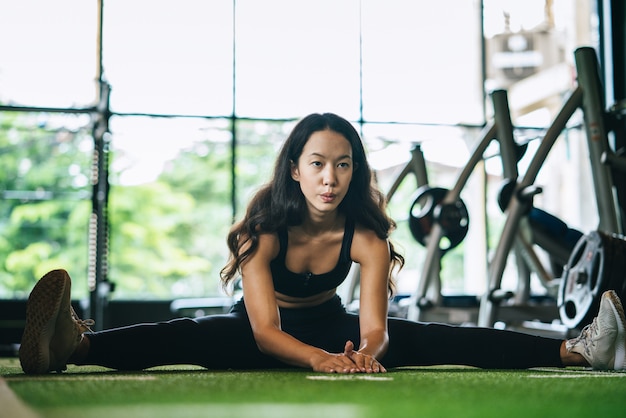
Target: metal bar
430,268
517,209
502,116
99,285
417,166
559,123
597,137
5,108
487,135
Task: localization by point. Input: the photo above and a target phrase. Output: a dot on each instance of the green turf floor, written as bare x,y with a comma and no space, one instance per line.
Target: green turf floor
417,392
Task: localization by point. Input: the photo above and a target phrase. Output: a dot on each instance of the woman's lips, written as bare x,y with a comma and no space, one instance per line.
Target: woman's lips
328,197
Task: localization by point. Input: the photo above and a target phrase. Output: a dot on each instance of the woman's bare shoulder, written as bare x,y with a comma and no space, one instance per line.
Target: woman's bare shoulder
363,233
269,244
367,243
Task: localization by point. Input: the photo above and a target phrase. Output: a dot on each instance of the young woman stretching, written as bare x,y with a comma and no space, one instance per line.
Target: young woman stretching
301,232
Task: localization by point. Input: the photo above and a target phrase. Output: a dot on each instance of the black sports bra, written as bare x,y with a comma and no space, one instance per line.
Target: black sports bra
309,284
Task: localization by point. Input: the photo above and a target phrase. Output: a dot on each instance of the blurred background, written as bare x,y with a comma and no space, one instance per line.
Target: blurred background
132,133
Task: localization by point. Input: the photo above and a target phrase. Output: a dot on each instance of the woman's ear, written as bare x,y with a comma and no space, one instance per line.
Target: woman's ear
295,174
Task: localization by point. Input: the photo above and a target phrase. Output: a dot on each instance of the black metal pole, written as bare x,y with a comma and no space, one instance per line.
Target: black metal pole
99,285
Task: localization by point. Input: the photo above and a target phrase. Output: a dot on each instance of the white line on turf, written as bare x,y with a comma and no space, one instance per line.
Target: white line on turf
575,375
242,410
66,377
574,370
350,377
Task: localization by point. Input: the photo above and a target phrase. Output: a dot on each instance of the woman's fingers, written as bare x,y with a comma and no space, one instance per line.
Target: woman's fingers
365,362
349,348
350,361
342,364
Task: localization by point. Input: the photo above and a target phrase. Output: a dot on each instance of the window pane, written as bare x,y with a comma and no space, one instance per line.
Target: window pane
170,206
48,55
258,144
171,177
294,58
169,57
46,198
530,53
422,61
445,151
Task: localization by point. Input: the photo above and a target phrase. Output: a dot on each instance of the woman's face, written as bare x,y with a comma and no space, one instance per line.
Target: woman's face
324,171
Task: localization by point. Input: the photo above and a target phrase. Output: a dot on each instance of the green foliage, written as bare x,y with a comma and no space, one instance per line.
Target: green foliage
167,238
44,212
153,242
258,146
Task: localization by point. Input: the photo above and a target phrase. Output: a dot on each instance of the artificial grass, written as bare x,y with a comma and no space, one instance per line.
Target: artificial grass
408,392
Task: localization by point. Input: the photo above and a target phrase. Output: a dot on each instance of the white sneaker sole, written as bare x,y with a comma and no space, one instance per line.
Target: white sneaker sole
42,310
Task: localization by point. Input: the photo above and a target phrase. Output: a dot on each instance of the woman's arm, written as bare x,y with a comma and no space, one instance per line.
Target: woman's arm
258,289
373,255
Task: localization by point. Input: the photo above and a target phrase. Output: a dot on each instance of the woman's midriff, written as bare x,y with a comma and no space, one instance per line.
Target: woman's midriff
285,301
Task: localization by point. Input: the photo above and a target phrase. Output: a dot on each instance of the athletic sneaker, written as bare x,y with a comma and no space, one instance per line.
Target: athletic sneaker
602,343
53,330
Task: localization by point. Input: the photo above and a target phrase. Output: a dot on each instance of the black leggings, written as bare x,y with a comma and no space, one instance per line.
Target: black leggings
226,342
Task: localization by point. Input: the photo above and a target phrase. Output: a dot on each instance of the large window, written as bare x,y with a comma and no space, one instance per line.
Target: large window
45,198
203,93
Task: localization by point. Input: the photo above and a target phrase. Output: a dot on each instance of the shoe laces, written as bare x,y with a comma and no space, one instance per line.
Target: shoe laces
83,324
586,337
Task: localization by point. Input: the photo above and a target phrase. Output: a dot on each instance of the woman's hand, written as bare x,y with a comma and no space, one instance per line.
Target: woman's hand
349,361
365,363
327,362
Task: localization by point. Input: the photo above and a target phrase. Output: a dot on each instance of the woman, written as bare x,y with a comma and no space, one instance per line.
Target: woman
319,213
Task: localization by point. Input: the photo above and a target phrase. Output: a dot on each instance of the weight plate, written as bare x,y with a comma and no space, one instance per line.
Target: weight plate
421,213
427,209
583,282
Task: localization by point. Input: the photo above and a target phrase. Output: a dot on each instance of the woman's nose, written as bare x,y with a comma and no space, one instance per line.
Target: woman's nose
329,176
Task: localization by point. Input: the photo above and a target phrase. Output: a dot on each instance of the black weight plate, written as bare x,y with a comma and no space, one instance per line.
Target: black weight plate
454,220
427,209
421,213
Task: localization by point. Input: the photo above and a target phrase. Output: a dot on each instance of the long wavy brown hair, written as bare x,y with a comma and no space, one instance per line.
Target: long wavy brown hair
280,202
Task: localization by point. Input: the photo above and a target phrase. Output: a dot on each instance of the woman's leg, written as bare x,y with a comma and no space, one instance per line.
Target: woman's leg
416,344
601,344
54,337
215,342
226,341
425,344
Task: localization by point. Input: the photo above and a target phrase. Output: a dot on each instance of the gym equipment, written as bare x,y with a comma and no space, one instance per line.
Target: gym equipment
549,232
587,96
439,220
597,264
525,226
428,209
439,236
